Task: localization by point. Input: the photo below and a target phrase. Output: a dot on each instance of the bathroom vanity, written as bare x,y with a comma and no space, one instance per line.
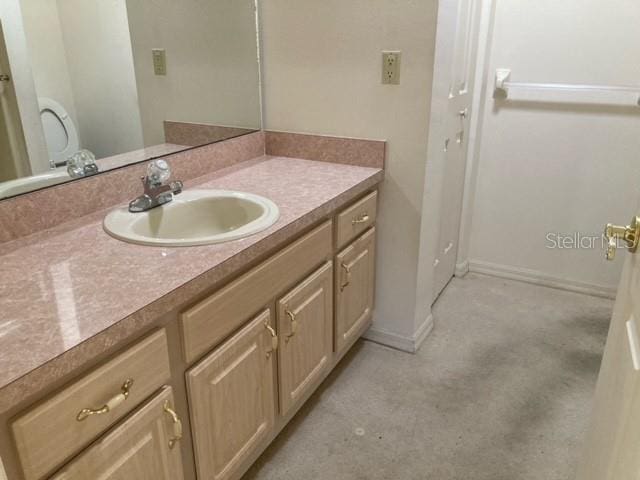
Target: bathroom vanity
127,356
145,362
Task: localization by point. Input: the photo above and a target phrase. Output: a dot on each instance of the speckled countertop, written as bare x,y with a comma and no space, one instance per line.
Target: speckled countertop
71,292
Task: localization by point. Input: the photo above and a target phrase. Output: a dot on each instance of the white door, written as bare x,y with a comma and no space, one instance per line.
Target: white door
455,69
612,445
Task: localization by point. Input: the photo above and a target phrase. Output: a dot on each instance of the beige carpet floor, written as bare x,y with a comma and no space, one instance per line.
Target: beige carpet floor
501,390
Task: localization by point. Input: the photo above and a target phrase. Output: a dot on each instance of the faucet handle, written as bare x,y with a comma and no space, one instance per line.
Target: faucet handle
158,172
176,187
157,189
81,164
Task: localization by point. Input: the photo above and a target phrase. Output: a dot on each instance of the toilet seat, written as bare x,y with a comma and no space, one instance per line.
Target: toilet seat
59,130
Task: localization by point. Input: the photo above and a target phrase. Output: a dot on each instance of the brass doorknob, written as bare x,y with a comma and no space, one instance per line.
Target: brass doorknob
629,234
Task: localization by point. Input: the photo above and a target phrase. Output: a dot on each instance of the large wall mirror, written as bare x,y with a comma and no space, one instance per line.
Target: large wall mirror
91,85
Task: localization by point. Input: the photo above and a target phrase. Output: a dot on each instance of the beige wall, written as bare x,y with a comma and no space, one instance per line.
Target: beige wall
80,56
212,66
98,46
13,149
321,74
47,53
25,91
571,168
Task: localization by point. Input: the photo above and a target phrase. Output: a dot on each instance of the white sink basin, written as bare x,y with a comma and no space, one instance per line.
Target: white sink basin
195,217
27,184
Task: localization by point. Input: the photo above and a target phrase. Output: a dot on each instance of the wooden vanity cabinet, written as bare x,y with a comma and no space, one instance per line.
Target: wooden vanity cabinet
143,447
305,326
251,353
211,320
354,289
50,433
232,400
231,392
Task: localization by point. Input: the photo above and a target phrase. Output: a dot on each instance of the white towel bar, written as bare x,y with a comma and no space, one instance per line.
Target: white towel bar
616,94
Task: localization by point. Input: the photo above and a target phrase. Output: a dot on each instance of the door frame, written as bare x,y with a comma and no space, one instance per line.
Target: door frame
482,89
25,90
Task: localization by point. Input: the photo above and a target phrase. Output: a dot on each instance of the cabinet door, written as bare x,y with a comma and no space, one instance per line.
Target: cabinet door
355,283
305,325
143,447
231,399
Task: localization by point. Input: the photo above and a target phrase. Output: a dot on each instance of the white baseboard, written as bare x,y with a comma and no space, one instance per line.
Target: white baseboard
462,269
423,332
400,342
539,278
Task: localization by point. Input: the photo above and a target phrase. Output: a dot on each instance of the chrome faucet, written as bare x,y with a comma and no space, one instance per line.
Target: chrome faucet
81,164
156,191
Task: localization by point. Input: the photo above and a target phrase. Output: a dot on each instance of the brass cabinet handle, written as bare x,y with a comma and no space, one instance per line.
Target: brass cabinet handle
110,405
274,338
347,269
294,324
364,218
177,424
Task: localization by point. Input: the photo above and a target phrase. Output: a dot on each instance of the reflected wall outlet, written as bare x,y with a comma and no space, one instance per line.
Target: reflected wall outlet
391,67
159,61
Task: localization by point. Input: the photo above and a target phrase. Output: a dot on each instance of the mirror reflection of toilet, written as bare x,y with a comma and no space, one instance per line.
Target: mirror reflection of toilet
59,131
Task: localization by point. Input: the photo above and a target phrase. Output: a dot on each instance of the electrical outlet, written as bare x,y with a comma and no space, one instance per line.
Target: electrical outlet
391,68
159,61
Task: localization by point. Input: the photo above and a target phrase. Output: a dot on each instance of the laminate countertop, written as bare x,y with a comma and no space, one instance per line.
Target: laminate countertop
72,292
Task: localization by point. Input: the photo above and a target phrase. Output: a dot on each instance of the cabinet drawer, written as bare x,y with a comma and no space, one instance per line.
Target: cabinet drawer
210,321
355,219
50,433
143,447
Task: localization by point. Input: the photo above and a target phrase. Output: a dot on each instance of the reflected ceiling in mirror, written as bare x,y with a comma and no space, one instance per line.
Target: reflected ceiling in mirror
120,81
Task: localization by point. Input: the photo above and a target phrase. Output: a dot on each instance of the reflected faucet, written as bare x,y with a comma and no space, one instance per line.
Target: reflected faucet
156,191
80,164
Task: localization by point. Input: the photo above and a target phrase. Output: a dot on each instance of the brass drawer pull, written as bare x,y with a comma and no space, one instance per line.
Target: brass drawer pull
274,338
110,405
294,324
347,270
364,218
177,424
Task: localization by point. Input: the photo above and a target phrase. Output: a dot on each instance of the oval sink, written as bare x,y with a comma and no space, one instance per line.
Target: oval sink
195,217
26,184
